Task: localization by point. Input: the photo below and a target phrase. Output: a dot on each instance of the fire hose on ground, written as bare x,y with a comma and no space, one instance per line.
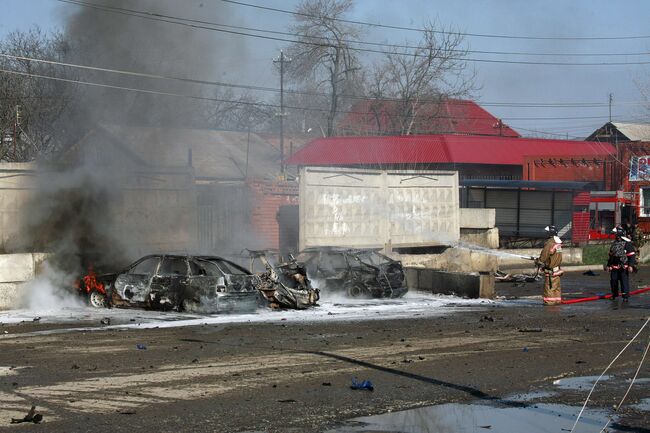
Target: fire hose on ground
607,296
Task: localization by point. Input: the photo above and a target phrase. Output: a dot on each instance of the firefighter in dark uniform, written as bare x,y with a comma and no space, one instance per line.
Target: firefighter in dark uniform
550,260
622,261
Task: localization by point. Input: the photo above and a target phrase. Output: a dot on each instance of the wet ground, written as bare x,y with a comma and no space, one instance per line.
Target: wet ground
452,366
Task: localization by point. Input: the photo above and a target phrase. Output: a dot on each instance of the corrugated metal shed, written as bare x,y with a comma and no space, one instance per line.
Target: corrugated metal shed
621,131
634,131
443,148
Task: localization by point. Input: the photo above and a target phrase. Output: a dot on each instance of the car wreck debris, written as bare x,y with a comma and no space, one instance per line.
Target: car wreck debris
31,416
285,285
355,272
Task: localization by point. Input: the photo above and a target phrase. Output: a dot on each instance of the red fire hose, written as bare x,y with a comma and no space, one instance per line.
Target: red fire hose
597,297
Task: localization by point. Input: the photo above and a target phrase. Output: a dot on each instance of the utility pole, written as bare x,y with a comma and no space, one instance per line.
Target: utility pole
611,98
282,60
15,135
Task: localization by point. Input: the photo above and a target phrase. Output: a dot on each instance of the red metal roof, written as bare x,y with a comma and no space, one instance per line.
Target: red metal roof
449,116
442,148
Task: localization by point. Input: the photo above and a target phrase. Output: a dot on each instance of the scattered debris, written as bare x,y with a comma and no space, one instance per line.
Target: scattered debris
74,367
326,384
289,400
530,329
590,273
525,349
31,416
105,321
487,319
363,385
36,319
284,284
126,412
141,346
500,276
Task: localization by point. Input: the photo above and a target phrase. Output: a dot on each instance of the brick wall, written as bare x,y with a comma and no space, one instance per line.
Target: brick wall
266,199
577,168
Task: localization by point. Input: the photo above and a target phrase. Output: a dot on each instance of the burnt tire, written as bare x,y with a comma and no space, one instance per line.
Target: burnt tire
97,299
356,291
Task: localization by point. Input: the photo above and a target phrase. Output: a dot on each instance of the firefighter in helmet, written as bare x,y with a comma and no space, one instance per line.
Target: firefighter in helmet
622,261
549,261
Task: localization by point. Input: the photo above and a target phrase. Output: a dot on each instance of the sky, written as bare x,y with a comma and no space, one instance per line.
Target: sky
251,61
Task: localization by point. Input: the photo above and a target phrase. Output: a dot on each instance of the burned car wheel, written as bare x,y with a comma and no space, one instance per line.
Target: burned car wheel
357,291
96,299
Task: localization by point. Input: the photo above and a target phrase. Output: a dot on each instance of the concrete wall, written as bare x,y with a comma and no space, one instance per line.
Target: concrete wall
477,218
570,256
472,285
156,209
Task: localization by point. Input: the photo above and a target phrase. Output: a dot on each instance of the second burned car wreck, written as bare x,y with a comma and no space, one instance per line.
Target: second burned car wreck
201,284
355,272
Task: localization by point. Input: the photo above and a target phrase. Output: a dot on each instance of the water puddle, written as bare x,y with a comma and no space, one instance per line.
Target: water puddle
587,382
643,405
479,418
581,382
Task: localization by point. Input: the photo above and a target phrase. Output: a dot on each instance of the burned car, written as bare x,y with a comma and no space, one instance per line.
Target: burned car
284,284
204,284
355,272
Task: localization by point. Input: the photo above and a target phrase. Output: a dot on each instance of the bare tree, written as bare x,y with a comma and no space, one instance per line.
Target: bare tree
322,53
415,80
31,106
237,112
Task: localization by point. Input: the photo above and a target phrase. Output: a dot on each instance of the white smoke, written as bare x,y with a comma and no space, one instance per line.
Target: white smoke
51,290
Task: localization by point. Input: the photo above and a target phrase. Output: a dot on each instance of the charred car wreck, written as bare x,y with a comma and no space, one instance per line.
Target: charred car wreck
202,284
357,273
284,284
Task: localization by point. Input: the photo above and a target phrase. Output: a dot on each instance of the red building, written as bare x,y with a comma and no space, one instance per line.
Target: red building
475,157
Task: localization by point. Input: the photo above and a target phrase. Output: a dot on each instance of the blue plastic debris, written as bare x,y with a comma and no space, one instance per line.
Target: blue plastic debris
366,384
141,346
525,349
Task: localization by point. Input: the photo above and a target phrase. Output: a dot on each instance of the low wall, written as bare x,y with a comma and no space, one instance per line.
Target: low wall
570,256
15,269
488,238
472,285
471,218
453,260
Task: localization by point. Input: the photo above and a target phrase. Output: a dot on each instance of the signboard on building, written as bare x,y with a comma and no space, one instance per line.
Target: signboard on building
640,168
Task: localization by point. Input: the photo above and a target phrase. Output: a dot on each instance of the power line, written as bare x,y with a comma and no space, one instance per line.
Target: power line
298,92
251,103
378,44
187,22
416,29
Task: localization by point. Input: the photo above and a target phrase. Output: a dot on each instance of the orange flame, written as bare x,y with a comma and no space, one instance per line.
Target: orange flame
91,283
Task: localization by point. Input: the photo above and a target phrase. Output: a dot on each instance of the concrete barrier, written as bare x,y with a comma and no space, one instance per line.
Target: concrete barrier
470,285
15,269
9,295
